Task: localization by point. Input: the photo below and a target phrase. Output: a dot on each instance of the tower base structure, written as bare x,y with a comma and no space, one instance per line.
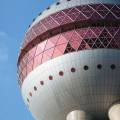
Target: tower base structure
78,115
114,112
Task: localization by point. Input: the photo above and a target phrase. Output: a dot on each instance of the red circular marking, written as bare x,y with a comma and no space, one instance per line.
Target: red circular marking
50,77
35,88
30,94
61,73
42,82
73,69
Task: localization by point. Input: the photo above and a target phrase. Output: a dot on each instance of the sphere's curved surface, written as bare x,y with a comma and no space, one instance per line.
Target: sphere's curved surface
70,59
64,4
91,89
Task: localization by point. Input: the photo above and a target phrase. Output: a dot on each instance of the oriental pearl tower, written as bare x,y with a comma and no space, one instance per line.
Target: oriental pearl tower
69,62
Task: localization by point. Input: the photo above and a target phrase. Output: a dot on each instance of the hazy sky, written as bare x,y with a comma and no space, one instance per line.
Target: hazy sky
15,17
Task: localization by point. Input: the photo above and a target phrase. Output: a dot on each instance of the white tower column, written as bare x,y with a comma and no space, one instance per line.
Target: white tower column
77,115
114,112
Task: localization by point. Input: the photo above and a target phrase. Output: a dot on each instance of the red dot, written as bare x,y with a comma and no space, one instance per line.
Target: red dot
30,94
42,82
35,88
73,69
61,73
50,77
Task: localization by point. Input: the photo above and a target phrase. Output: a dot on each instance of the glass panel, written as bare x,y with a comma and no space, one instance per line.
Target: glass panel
40,48
37,60
31,53
47,55
30,66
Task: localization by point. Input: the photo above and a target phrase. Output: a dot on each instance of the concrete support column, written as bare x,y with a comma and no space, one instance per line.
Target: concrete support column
77,115
114,112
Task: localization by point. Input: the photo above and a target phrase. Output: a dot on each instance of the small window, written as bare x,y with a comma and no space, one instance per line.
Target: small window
42,82
61,73
48,8
35,88
33,19
73,69
113,66
99,66
57,3
50,77
30,94
39,13
86,67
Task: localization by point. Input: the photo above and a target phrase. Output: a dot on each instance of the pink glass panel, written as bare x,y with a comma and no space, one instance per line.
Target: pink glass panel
76,37
62,40
68,34
75,44
81,17
24,71
37,60
97,31
62,47
73,13
47,55
39,28
30,66
57,53
66,20
31,53
89,34
82,32
49,44
49,22
40,47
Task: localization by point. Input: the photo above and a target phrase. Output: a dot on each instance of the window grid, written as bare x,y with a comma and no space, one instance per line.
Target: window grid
74,39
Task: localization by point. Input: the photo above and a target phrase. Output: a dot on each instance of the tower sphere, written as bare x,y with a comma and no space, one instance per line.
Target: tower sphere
70,60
